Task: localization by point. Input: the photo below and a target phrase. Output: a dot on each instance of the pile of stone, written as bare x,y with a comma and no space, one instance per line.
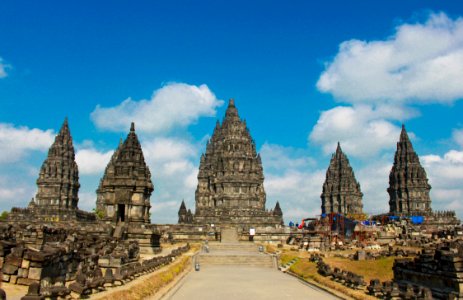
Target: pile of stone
392,290
347,278
440,269
95,274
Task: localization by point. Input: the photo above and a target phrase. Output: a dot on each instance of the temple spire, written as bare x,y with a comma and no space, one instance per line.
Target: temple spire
125,189
58,182
230,179
408,183
341,191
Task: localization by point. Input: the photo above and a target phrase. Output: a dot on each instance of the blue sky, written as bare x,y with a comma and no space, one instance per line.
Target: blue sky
304,75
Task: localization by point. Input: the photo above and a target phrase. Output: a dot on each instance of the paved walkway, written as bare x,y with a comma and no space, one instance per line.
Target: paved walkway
235,282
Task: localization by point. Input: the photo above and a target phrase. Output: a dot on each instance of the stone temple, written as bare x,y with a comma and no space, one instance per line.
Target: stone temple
58,182
125,189
408,184
231,180
341,191
57,185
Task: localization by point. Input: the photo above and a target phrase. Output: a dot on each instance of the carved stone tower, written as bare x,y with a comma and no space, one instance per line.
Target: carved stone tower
341,191
58,182
408,184
125,189
230,180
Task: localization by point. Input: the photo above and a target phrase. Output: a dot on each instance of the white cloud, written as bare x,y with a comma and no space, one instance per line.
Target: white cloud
92,161
292,178
457,136
420,62
3,68
172,106
87,201
15,189
278,157
446,178
362,130
173,163
374,181
16,142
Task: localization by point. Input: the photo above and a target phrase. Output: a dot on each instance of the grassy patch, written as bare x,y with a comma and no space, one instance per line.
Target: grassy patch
153,283
308,271
287,257
369,269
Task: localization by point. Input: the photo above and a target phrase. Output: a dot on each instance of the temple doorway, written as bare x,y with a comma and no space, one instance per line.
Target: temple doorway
121,213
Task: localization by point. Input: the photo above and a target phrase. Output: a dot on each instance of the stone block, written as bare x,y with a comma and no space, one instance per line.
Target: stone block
13,260
13,279
23,272
25,264
6,278
9,269
26,281
35,273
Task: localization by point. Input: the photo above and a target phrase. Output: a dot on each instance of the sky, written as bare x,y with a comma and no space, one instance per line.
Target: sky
304,75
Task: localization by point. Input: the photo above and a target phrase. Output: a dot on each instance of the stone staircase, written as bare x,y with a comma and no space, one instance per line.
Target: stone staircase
235,254
229,235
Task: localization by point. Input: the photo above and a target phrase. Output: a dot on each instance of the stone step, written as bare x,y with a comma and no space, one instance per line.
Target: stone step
230,247
229,235
240,260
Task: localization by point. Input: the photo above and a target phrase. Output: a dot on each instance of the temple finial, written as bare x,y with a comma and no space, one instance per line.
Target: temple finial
132,127
231,102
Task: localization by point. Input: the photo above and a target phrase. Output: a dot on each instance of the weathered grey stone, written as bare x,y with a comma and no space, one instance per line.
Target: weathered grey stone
9,269
341,191
408,183
35,273
125,189
230,180
58,182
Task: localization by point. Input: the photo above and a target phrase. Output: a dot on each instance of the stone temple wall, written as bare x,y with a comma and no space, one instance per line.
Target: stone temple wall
440,269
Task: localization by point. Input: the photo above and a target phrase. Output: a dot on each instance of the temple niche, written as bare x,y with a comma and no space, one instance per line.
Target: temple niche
123,195
230,180
408,184
341,191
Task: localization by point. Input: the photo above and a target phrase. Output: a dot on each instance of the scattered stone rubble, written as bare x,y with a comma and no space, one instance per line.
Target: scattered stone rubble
47,259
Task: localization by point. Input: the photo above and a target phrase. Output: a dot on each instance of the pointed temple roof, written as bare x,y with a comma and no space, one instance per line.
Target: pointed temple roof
408,183
341,191
230,178
125,188
58,182
277,210
127,165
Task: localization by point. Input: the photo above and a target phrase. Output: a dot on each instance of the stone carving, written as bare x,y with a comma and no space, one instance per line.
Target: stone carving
58,182
408,184
125,189
230,181
341,191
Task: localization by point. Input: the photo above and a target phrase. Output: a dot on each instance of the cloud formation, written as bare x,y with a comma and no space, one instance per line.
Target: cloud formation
173,163
363,131
291,177
92,161
446,178
172,106
17,142
3,68
420,63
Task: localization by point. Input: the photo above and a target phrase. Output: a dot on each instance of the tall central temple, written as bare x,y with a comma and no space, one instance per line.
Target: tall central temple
231,180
